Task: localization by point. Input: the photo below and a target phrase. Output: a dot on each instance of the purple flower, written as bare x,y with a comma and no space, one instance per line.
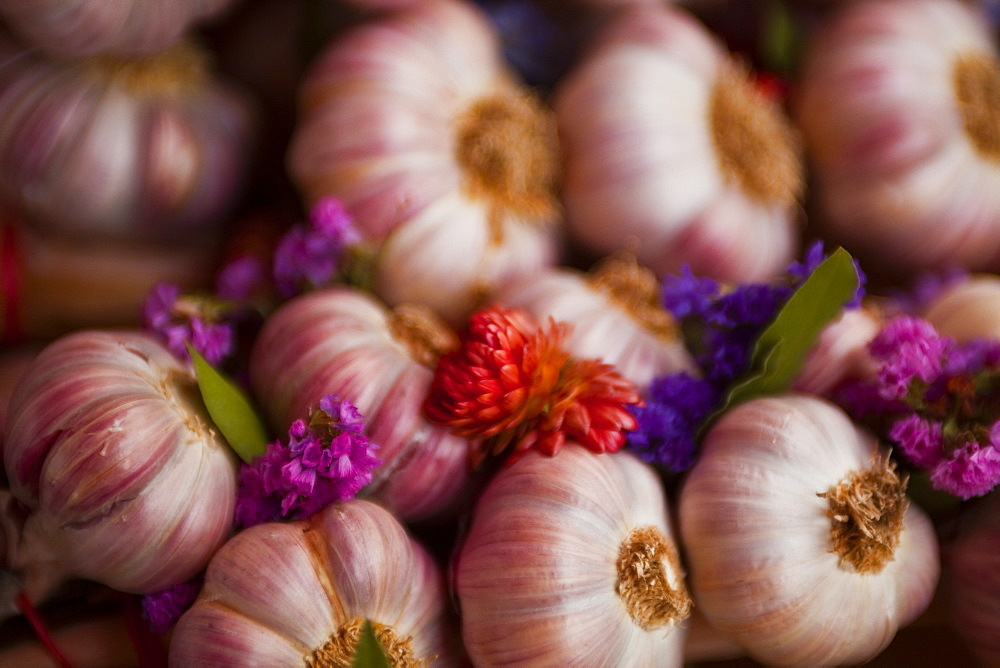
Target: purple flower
163,608
307,258
920,439
669,422
972,470
177,319
327,459
241,279
908,348
688,296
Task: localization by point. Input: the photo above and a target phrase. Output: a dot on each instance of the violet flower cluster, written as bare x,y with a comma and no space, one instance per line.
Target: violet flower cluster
163,608
326,459
937,401
309,257
720,326
178,319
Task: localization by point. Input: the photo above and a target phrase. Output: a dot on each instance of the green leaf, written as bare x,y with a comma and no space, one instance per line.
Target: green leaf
779,39
369,653
230,410
782,347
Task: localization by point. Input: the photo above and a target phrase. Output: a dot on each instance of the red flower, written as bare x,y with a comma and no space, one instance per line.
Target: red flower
511,382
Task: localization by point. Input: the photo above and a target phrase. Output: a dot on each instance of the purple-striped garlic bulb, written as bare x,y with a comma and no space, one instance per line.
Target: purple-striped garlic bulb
448,166
570,561
966,309
143,148
297,593
80,28
345,342
123,475
615,313
670,151
971,569
841,352
896,103
800,542
50,286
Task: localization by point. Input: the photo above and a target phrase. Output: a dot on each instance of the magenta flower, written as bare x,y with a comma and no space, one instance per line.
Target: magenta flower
910,349
920,439
972,470
179,319
163,608
327,459
308,257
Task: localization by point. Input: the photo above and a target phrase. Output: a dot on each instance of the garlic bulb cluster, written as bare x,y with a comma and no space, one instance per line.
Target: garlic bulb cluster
124,479
801,544
972,571
147,148
614,312
52,286
77,28
896,102
297,593
570,561
967,309
670,151
344,342
447,165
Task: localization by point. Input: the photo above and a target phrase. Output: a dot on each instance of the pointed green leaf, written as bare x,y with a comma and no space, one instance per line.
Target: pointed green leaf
230,410
782,347
779,39
369,653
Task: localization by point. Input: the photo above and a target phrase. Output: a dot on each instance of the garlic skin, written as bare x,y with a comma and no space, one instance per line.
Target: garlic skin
79,28
614,315
283,594
105,429
552,542
345,342
669,152
144,149
967,309
841,352
446,164
761,540
895,103
971,562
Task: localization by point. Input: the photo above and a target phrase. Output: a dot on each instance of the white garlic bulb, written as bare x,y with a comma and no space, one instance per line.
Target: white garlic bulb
841,352
670,152
896,102
297,593
124,478
615,313
143,148
799,539
570,561
77,28
446,164
967,309
345,342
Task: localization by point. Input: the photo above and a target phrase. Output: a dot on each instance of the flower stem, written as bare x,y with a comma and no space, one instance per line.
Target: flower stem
41,632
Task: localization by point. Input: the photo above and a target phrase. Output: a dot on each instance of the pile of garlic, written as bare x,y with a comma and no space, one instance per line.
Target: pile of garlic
498,195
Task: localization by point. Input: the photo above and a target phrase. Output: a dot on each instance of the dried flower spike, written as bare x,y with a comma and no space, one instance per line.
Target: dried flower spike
511,383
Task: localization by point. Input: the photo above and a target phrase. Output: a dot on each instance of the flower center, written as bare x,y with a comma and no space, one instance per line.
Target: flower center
509,153
866,512
635,290
176,71
650,581
338,651
424,335
976,80
756,147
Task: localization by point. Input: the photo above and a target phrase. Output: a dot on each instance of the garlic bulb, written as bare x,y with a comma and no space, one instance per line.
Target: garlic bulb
615,314
294,594
800,542
967,309
124,478
143,148
52,286
344,342
570,561
446,164
840,353
972,571
77,28
896,105
670,152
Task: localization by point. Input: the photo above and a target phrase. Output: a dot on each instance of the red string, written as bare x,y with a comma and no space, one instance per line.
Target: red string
41,632
10,282
148,646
